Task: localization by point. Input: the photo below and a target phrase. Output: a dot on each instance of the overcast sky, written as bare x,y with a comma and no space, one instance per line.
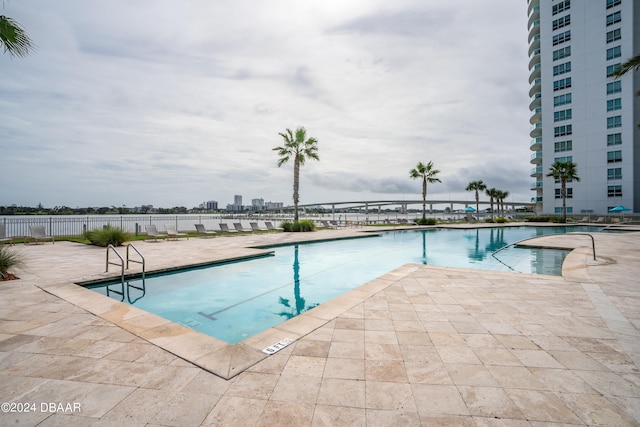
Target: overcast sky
172,103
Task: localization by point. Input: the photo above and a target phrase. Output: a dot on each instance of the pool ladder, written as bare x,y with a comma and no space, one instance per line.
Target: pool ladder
126,291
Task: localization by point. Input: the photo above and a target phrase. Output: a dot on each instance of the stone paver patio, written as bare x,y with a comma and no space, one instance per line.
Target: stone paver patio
420,346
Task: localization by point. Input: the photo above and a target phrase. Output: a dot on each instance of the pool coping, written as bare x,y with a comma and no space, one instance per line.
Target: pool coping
228,360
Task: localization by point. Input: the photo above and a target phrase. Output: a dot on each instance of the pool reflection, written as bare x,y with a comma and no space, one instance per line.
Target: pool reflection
299,305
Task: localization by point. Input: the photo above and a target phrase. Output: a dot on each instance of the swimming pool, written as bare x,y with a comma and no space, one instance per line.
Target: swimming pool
236,300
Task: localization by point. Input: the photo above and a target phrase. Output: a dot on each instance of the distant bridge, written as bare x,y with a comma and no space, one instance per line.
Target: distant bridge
377,204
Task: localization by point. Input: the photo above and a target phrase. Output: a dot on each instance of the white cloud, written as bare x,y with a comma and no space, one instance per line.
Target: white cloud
174,103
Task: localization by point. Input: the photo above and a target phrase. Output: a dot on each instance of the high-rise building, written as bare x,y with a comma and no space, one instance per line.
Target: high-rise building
578,111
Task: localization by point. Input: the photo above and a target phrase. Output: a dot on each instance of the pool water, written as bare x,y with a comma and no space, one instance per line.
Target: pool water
236,300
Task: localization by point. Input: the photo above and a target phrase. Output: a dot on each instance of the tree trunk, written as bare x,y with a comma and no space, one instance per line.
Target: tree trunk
424,198
296,186
563,191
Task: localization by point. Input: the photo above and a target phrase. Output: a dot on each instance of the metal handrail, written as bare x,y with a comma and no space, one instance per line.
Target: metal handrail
121,292
593,242
129,285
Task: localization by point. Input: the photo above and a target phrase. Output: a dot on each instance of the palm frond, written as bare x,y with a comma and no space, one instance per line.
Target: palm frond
13,38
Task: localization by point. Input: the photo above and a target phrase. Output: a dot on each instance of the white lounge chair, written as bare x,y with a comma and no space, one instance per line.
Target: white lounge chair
152,233
238,227
203,231
270,226
38,235
225,228
173,233
3,235
256,227
599,220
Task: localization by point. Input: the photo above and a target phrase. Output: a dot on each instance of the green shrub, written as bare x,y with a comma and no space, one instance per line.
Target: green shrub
107,236
488,220
426,221
541,218
8,260
501,220
302,225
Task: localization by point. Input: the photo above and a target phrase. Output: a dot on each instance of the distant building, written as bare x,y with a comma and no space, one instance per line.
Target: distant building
579,113
211,205
257,204
274,205
237,204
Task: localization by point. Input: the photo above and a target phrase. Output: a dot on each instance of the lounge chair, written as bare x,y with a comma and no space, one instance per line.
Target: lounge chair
203,231
238,227
326,224
3,235
38,235
255,227
336,224
172,233
599,220
225,228
270,227
152,233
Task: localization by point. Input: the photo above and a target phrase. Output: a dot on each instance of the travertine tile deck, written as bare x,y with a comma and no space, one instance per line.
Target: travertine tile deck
421,345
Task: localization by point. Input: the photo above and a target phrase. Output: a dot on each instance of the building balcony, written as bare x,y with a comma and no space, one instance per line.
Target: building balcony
536,158
535,87
535,73
536,115
535,44
536,144
532,5
536,185
534,30
537,199
536,172
534,60
536,101
536,131
533,16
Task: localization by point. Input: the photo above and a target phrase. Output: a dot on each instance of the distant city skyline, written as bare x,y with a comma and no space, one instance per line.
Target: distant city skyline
116,106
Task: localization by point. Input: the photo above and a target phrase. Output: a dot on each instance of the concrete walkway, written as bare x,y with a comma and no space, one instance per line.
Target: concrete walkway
421,345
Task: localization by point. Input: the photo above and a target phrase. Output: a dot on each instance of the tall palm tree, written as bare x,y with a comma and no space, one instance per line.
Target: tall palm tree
501,196
493,195
476,186
13,38
564,171
428,175
300,148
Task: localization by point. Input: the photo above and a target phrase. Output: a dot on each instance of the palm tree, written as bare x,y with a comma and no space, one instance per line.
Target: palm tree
564,171
493,195
428,175
476,186
300,148
501,196
13,38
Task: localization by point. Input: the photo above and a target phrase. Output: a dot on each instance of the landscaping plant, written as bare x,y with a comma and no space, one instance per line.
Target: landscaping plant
107,236
8,260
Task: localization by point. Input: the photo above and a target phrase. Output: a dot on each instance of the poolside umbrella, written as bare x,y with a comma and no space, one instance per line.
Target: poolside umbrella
620,209
469,209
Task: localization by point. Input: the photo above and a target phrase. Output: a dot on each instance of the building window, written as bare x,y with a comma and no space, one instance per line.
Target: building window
614,156
614,139
562,130
612,69
561,146
562,84
565,52
614,35
614,173
614,104
612,3
614,122
614,18
559,116
561,38
562,100
563,22
569,193
562,68
614,191
559,210
614,87
563,159
561,7
614,52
